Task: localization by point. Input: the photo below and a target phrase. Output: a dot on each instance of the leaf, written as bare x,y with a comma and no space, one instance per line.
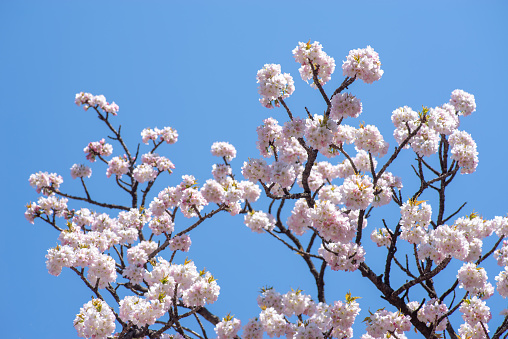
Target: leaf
229,317
414,202
350,298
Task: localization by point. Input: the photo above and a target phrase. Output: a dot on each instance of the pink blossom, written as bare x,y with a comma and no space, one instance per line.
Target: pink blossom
364,64
143,173
259,221
182,243
224,150
98,148
343,256
80,171
357,192
464,151
307,54
228,328
117,166
95,320
345,105
273,85
43,180
99,101
463,102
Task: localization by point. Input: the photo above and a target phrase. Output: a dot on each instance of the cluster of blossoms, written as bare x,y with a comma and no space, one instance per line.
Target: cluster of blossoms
357,192
274,85
283,174
312,56
501,254
443,242
118,166
319,132
345,105
256,169
259,221
343,256
431,312
464,151
152,164
463,102
415,220
269,135
97,101
180,243
98,148
100,266
47,206
277,310
474,280
299,220
332,224
478,331
190,199
432,123
443,119
160,162
95,320
475,312
144,172
363,64
406,121
500,226
161,223
80,171
138,255
80,249
369,138
221,171
502,283
228,328
223,150
381,237
167,134
41,181
193,288
383,324
475,230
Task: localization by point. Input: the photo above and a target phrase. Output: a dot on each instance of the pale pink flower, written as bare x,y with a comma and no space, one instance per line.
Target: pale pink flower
307,54
463,102
273,85
224,150
80,171
364,64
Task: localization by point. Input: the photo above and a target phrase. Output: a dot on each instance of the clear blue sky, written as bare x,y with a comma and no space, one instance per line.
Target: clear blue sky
192,66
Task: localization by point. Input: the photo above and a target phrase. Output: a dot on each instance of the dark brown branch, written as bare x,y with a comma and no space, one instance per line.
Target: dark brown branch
299,251
88,200
318,85
423,277
286,107
345,84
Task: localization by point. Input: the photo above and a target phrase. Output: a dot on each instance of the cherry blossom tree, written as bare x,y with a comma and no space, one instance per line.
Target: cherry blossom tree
322,180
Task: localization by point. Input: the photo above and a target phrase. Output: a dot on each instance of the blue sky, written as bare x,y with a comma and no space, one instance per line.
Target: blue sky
192,66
